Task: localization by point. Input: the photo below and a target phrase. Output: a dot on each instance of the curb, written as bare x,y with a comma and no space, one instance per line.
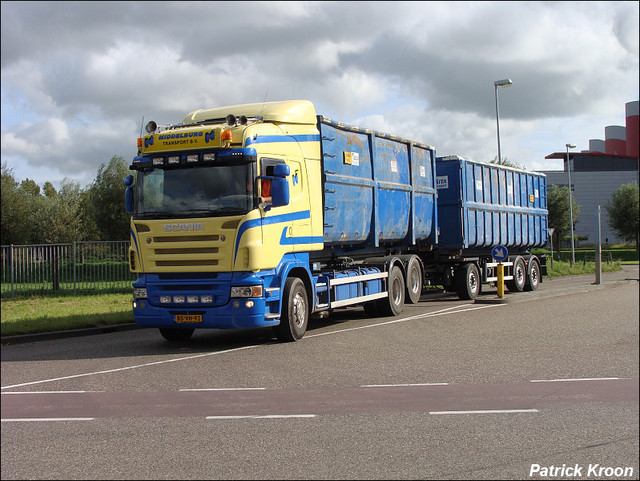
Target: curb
45,336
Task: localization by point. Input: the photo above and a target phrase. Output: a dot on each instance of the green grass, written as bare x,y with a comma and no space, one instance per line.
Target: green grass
46,314
561,268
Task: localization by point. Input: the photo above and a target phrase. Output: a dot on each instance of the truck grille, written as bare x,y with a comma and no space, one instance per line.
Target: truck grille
190,251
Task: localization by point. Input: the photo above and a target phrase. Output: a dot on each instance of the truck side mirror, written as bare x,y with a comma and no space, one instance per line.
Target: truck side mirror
128,194
280,185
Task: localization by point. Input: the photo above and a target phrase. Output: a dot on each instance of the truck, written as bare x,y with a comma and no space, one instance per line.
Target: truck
269,215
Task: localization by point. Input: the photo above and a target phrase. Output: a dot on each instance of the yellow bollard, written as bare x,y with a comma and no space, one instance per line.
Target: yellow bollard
500,280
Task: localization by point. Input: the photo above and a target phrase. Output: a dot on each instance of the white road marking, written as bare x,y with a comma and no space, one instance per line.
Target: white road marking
26,420
577,379
442,312
487,411
136,366
406,385
226,351
266,416
49,392
225,389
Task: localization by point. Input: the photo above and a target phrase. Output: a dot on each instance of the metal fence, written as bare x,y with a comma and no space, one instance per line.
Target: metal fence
66,269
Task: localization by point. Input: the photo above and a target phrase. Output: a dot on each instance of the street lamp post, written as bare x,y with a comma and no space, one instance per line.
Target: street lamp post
573,253
500,83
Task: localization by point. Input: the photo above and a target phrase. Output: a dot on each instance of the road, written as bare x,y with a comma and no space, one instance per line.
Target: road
449,389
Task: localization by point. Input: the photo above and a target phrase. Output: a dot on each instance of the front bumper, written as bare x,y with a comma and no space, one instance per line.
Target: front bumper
233,315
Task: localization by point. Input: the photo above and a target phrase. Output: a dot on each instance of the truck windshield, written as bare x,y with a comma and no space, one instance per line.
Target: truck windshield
208,191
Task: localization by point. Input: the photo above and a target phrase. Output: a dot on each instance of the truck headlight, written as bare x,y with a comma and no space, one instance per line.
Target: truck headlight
139,292
246,291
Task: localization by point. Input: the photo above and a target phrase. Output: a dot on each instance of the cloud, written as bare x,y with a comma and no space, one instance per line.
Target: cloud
77,77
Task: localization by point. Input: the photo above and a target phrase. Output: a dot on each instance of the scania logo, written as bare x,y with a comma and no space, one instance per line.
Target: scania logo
187,226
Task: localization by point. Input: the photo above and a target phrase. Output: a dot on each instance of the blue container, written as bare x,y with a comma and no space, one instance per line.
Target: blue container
378,189
483,205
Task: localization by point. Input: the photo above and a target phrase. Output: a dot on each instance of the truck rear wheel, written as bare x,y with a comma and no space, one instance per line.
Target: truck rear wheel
414,281
295,311
467,280
533,279
519,276
176,334
393,304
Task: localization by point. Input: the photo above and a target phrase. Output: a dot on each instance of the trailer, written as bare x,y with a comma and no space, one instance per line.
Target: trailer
267,214
480,206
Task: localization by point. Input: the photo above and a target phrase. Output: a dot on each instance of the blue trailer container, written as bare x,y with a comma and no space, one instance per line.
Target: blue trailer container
379,190
481,206
484,205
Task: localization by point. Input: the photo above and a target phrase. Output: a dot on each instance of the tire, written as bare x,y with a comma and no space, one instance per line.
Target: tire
295,311
533,278
519,276
467,280
414,281
393,304
176,334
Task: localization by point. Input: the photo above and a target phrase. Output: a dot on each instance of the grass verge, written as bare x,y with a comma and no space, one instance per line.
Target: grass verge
565,269
46,314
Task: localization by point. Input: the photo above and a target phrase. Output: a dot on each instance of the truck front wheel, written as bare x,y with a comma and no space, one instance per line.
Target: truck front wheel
467,280
295,311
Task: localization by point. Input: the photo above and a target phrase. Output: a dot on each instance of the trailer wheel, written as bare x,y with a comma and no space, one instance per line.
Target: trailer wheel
176,334
393,304
414,281
467,280
295,311
533,279
519,276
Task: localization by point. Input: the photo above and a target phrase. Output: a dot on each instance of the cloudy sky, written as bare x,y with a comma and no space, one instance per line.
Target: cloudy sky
77,77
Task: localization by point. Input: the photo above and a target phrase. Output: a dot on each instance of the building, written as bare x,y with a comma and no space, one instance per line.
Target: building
598,172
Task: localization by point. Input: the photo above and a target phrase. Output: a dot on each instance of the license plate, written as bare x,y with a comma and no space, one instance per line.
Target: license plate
188,318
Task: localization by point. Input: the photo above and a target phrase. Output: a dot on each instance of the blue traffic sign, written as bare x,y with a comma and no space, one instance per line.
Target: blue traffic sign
499,253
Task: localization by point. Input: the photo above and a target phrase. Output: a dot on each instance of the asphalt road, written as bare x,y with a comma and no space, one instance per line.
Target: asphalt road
447,390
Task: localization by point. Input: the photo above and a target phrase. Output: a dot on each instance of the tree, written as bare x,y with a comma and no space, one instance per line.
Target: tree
49,190
559,212
63,214
506,162
107,200
22,205
623,211
14,223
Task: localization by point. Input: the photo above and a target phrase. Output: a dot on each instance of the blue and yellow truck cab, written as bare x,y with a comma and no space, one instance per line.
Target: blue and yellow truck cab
262,214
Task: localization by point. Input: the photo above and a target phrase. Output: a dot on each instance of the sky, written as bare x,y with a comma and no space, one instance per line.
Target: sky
79,77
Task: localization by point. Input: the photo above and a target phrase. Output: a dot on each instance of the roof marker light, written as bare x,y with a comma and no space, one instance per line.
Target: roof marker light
151,127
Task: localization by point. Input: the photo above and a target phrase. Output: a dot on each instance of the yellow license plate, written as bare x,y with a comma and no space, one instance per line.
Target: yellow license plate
188,318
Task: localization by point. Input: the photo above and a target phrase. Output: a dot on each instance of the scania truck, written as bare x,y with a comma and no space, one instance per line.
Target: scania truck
267,214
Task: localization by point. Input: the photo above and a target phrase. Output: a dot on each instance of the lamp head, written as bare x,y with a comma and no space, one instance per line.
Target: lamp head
571,146
503,83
